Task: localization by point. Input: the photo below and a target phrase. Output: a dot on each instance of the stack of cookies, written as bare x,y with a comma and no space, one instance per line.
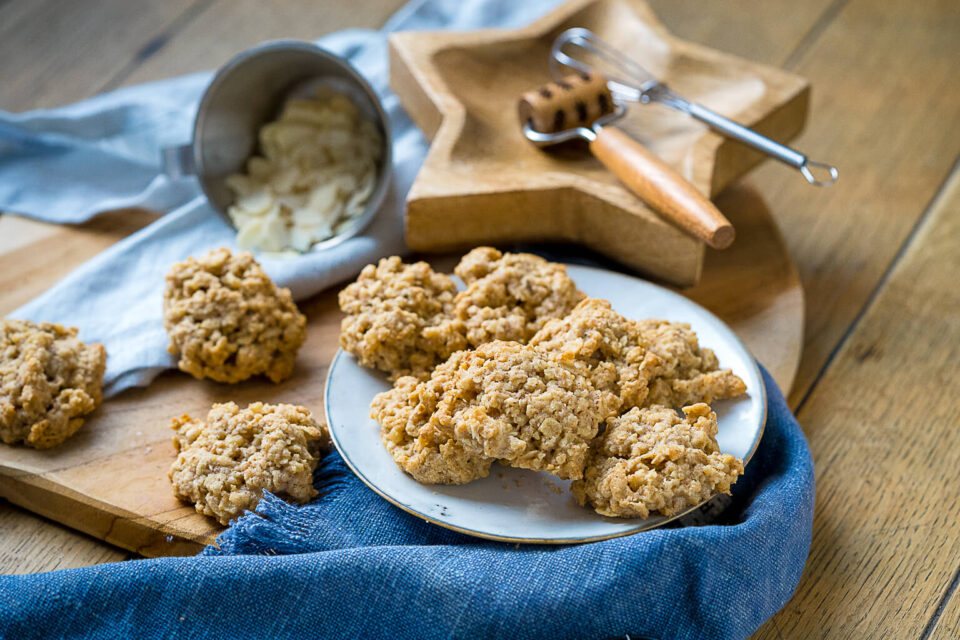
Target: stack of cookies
523,369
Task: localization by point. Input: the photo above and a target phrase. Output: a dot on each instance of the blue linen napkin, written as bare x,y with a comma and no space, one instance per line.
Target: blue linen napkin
351,565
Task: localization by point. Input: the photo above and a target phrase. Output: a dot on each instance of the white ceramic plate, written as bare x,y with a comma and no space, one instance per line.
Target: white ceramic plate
517,505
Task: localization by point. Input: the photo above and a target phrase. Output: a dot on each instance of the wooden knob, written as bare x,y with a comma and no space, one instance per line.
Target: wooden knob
665,190
575,101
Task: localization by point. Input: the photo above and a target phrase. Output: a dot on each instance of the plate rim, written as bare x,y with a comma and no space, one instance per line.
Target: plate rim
520,540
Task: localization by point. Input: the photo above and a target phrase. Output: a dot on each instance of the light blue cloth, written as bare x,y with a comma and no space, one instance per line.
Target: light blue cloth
68,164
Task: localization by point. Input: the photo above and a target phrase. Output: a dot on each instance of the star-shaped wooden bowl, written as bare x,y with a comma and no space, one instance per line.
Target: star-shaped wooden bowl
484,183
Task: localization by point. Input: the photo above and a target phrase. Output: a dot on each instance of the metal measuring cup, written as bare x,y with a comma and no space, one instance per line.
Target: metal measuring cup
248,92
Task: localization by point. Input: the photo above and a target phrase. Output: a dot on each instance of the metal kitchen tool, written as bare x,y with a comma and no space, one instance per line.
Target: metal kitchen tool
630,82
249,91
582,106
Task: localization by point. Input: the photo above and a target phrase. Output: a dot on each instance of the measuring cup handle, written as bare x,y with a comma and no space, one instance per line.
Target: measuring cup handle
661,187
762,143
177,162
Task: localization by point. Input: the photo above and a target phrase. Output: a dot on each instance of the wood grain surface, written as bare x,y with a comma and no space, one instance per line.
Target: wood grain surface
885,103
884,562
946,625
882,423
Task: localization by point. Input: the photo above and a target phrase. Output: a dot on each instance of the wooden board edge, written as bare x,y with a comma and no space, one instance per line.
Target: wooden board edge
673,257
100,520
411,91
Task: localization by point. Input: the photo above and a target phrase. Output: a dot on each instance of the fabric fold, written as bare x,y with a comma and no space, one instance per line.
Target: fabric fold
67,164
351,565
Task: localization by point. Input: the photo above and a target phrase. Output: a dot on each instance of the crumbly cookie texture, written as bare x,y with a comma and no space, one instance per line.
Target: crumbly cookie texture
516,405
398,318
686,373
503,401
226,462
651,460
510,296
419,441
611,347
48,380
228,321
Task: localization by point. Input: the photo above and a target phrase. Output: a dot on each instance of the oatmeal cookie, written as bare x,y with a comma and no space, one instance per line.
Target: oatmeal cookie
399,318
417,440
686,373
652,460
611,347
48,380
227,321
510,296
225,463
509,402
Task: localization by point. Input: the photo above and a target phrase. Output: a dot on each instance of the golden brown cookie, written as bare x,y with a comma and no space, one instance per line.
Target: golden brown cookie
510,296
503,401
226,462
398,318
686,373
612,348
48,380
227,321
651,460
418,442
512,403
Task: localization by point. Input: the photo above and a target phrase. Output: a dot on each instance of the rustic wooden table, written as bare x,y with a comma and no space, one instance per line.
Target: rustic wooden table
879,254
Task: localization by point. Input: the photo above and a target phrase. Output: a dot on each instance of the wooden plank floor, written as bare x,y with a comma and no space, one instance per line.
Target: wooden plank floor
877,392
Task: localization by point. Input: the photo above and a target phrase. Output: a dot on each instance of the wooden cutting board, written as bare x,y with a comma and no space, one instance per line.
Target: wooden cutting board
484,183
110,479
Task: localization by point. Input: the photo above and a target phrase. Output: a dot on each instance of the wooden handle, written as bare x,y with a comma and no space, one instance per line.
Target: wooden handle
665,190
574,101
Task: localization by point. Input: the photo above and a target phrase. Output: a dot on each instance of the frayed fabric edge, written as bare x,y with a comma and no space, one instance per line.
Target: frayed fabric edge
278,527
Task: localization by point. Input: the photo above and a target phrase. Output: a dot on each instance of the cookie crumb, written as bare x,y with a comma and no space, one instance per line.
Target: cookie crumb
686,372
510,296
610,346
502,401
421,446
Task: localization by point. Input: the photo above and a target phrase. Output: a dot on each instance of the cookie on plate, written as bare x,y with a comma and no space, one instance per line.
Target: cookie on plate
529,411
652,460
226,462
612,348
228,321
503,401
421,445
398,318
687,373
49,379
510,296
